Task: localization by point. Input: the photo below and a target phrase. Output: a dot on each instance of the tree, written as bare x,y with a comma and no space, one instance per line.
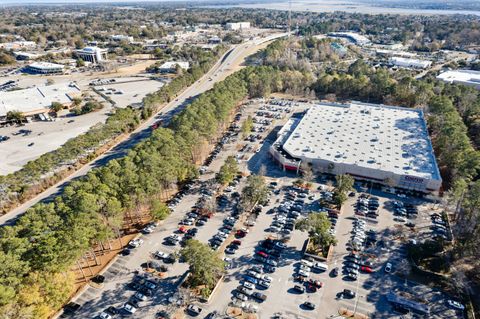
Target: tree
307,172
15,116
228,171
80,62
56,107
256,192
247,126
318,226
159,210
205,265
344,184
6,58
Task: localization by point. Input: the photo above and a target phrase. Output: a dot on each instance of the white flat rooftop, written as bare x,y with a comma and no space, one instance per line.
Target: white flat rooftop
37,98
464,76
388,138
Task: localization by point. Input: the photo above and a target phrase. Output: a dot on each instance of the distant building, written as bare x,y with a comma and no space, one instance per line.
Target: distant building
351,36
338,48
396,53
16,45
214,40
37,100
410,63
465,77
171,67
120,37
25,56
44,68
92,54
234,26
385,145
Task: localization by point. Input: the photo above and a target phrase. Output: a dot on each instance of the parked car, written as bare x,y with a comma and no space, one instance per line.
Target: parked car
134,243
309,305
194,310
259,296
299,289
388,267
455,305
130,308
347,293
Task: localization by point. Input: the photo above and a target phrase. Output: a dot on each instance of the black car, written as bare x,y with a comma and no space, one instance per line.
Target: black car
212,315
309,305
334,272
347,293
299,289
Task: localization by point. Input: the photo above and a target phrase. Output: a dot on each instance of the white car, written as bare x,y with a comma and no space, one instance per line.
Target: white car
160,254
267,278
128,307
248,285
105,315
134,243
455,304
140,296
388,268
148,229
303,273
264,284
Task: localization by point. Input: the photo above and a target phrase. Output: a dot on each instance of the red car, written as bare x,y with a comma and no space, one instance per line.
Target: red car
261,253
156,125
240,234
366,269
182,229
237,242
315,283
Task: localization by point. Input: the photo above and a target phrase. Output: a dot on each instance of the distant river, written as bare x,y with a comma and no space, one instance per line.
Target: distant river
347,6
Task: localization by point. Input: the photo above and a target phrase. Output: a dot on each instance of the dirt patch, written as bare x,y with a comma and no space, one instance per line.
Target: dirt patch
87,268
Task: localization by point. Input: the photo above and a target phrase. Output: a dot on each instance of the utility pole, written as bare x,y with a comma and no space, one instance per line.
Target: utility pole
289,17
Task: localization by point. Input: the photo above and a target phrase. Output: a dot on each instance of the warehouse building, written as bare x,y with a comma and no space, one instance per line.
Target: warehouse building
410,63
235,26
171,67
356,38
37,100
44,68
94,55
386,145
465,77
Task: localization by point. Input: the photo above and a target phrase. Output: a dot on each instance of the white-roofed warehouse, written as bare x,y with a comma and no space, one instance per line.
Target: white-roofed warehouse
37,100
385,144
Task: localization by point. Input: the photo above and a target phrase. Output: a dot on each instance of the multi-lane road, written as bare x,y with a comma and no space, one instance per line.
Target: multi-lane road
226,65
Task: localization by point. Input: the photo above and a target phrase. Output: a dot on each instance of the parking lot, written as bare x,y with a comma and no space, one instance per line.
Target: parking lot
267,273
129,91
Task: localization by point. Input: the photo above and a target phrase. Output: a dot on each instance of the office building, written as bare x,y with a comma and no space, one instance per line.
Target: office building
92,54
44,68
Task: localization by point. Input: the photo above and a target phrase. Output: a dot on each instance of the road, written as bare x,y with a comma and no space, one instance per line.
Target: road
229,63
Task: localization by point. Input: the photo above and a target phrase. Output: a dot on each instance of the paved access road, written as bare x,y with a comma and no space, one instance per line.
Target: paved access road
226,65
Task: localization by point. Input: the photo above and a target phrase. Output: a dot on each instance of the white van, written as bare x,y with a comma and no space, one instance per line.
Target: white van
320,266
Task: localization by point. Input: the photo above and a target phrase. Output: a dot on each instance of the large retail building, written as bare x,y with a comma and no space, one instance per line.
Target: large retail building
384,144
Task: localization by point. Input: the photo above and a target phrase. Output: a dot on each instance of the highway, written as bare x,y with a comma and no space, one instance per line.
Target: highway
226,65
